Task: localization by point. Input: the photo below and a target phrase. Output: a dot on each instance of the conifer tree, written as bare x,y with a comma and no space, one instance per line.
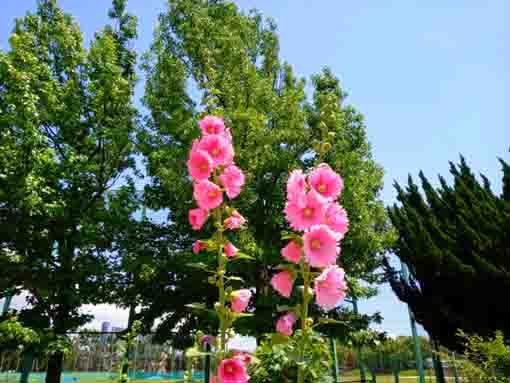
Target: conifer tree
456,242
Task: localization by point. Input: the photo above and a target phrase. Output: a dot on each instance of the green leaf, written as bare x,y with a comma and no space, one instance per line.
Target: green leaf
277,338
197,306
240,255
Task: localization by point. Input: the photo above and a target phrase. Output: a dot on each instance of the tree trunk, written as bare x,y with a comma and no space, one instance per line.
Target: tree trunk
26,368
54,367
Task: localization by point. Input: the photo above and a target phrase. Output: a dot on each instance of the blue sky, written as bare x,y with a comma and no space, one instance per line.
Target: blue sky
429,76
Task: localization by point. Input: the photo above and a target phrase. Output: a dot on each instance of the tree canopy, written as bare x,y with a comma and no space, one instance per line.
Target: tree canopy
456,242
207,56
66,137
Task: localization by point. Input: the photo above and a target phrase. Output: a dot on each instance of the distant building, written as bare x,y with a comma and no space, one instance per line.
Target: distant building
105,327
117,329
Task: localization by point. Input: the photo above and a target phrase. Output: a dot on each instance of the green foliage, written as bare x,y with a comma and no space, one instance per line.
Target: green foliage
208,55
456,242
488,358
14,335
66,129
278,362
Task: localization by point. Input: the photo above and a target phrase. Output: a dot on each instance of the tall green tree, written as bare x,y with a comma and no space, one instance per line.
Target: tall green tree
208,57
456,242
66,129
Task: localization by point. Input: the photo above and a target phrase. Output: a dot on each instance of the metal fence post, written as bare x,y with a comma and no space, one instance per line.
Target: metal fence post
335,358
207,366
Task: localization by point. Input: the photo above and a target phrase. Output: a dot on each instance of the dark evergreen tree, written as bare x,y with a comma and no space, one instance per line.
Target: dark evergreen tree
456,242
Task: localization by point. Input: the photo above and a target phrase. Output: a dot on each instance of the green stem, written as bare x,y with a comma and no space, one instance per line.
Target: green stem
305,268
221,287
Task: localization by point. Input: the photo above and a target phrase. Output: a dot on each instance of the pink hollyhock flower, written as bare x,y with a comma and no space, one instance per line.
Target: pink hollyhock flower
330,287
213,379
198,246
219,149
285,324
239,300
200,165
228,135
320,244
326,182
292,252
245,357
197,218
336,219
235,221
232,178
212,125
296,188
310,213
230,250
233,371
207,194
283,282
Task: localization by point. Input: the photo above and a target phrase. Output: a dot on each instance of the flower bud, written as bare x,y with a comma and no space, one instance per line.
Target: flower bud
326,147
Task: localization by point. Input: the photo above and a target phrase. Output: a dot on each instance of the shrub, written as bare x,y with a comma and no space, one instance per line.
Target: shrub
277,362
488,359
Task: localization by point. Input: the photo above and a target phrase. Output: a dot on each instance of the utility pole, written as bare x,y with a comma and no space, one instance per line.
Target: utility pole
417,346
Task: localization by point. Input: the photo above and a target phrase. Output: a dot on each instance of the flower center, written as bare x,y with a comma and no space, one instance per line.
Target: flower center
212,194
211,129
322,188
215,152
328,220
307,212
203,167
229,369
316,244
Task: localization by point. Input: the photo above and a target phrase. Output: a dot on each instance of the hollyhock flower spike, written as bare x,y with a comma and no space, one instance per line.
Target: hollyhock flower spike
200,165
285,324
219,149
283,283
207,194
296,188
239,300
326,182
197,218
230,250
198,246
305,215
232,179
336,219
212,125
330,287
233,371
320,245
292,252
235,221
